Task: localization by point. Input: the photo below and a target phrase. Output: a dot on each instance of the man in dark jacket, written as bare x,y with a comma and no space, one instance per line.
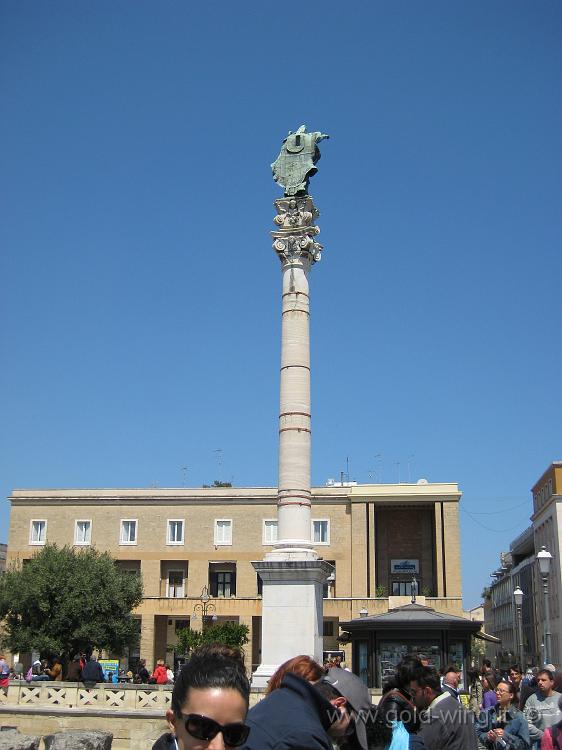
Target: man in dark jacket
444,721
92,672
293,716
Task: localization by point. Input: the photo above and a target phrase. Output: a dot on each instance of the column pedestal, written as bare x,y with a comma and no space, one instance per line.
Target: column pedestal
292,612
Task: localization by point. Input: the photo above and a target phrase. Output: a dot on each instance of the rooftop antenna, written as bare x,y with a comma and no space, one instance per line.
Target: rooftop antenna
410,459
184,476
397,464
347,467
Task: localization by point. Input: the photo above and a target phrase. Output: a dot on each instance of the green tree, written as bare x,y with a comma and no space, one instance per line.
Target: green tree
63,601
225,633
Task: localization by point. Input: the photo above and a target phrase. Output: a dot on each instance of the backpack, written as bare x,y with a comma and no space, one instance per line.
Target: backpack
29,674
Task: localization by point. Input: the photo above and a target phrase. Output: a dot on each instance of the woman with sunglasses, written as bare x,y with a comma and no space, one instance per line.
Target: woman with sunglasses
209,702
503,725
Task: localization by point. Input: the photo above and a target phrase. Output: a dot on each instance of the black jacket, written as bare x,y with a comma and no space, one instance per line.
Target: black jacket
165,742
92,672
294,716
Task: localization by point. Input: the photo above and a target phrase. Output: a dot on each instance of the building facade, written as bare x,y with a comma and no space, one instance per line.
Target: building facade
518,568
182,540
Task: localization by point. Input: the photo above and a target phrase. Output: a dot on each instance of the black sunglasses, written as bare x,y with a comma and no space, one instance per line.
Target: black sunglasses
205,729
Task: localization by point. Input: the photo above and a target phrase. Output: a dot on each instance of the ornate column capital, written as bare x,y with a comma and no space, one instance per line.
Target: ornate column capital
295,238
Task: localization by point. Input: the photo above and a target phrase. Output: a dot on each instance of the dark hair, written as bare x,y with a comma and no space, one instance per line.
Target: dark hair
515,668
212,666
511,688
473,675
450,668
546,672
406,669
487,663
427,677
303,666
491,681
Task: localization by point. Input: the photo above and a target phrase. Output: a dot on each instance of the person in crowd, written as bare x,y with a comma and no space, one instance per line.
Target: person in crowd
143,673
295,714
541,708
451,679
396,718
352,697
557,677
74,671
489,698
169,674
515,677
4,672
37,671
92,672
160,674
303,666
55,672
444,723
475,692
552,737
209,702
504,722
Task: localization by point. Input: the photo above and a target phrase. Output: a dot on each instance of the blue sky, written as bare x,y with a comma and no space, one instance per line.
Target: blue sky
140,300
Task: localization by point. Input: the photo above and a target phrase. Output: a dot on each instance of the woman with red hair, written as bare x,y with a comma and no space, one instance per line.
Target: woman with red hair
303,666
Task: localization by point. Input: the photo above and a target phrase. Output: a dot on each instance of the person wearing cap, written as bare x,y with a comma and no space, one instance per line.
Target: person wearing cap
541,709
346,691
444,722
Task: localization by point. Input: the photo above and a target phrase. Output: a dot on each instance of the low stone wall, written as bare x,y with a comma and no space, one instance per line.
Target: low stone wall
133,713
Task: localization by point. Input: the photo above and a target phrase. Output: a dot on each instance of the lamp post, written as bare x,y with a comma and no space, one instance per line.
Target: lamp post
204,606
518,597
544,559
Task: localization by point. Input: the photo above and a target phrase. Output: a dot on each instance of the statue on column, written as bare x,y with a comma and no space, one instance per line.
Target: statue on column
295,164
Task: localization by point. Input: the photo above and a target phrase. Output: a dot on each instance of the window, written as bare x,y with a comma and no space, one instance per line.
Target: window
402,588
269,531
175,532
175,584
83,532
128,531
38,532
223,531
328,629
181,625
321,532
222,579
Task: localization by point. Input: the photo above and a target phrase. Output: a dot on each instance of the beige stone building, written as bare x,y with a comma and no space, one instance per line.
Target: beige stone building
181,540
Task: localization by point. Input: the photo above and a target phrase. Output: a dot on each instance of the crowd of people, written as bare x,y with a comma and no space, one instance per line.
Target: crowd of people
320,707
85,667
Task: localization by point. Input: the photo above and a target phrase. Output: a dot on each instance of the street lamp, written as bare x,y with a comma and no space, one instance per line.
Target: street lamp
544,559
204,606
518,597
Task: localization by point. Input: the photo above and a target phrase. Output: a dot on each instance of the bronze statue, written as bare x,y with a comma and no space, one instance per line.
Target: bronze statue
295,164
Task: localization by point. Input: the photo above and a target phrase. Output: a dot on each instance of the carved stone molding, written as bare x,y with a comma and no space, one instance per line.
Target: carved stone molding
295,238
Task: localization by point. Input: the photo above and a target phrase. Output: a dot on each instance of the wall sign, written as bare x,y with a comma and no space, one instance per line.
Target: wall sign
404,566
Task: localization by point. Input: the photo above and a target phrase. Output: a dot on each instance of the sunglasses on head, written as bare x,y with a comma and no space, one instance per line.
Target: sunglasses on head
205,729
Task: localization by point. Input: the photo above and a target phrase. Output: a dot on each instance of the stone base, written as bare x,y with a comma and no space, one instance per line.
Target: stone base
292,612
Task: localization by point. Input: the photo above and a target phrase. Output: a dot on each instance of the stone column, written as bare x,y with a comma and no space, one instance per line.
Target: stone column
295,244
292,574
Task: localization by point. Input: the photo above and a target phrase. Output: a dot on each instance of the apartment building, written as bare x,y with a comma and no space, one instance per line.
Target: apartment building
182,540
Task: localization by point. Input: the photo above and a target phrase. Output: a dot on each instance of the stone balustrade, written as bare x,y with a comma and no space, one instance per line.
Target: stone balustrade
104,696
